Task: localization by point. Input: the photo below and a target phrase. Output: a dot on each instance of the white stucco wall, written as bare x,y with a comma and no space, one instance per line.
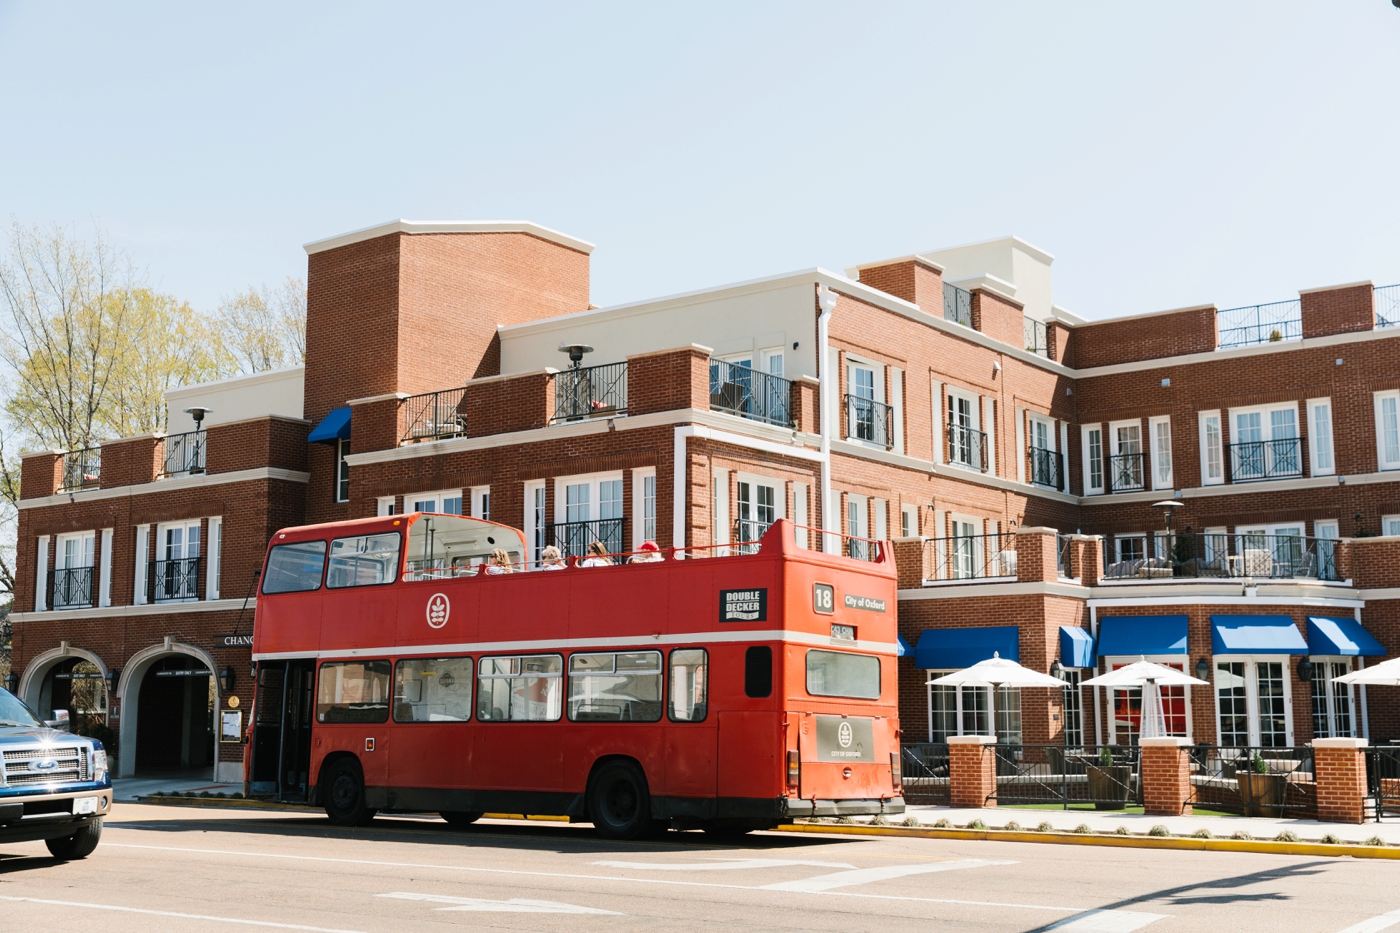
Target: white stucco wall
279,392
1008,258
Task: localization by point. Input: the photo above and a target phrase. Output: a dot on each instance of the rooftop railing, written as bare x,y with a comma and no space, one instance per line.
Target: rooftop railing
82,469
971,557
957,305
590,392
1227,556
1037,337
1256,324
434,415
1387,306
184,454
750,393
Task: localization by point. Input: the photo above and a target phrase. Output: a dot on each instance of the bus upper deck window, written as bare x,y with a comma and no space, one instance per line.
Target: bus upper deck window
758,671
295,568
364,560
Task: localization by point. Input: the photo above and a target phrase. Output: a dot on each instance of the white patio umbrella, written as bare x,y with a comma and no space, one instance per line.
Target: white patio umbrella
1151,678
996,671
1384,674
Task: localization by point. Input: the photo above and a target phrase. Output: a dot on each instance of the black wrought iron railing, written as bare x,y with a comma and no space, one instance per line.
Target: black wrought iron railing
957,305
750,393
184,454
590,391
924,768
971,557
1267,323
1258,556
71,588
1387,298
1046,468
967,447
176,580
1037,337
1255,781
82,469
434,415
747,534
1126,473
1258,460
1383,782
1104,777
860,548
869,420
573,538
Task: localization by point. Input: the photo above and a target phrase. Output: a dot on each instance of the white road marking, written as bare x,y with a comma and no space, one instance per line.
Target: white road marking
1107,921
720,864
171,913
1375,924
516,905
844,879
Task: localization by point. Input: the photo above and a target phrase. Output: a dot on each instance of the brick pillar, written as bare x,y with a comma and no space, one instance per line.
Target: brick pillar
972,770
1166,776
910,561
1035,555
41,473
1086,559
1339,766
805,403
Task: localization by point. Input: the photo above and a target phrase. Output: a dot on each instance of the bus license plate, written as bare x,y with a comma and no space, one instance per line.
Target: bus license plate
844,739
83,805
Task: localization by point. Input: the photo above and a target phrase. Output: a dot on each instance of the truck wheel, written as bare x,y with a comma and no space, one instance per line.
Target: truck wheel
618,802
345,794
459,819
78,845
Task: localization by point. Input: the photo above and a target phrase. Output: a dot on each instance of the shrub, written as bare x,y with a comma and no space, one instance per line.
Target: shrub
1122,831
911,821
977,824
1014,827
1159,830
1287,835
1202,833
1374,841
1082,828
844,819
1045,827
1330,840
880,820
1241,835
944,823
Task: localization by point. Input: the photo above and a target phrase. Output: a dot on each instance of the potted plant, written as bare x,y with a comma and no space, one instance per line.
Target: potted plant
1109,783
1260,789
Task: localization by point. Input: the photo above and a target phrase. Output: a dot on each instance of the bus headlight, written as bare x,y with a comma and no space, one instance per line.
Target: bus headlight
99,764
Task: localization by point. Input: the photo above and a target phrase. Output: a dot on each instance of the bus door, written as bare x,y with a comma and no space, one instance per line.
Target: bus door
282,731
750,739
691,734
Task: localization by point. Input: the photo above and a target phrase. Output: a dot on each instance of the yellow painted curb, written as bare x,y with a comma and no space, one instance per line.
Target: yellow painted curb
524,816
1103,839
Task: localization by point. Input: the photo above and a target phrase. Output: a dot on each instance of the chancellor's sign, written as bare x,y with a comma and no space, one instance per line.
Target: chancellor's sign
233,641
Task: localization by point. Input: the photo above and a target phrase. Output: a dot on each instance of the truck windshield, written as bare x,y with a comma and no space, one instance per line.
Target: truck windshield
15,713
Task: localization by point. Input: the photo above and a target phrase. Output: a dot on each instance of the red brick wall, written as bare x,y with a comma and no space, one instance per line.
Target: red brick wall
1342,310
132,461
257,442
1148,337
910,279
40,474
998,318
504,404
668,380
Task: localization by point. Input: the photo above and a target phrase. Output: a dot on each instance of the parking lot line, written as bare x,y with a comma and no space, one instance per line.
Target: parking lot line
87,905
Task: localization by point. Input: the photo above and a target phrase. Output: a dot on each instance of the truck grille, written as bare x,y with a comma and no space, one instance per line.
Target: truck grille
72,766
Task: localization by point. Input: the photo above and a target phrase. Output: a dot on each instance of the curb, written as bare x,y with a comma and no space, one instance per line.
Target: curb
1112,841
243,803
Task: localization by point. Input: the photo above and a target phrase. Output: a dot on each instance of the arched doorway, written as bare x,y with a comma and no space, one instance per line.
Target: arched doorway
169,695
67,678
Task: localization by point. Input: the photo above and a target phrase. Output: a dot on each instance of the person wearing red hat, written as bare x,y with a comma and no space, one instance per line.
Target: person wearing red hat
646,554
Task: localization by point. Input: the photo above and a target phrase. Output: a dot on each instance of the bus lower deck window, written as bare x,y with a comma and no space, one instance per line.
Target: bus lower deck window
520,689
433,690
840,674
353,691
758,672
690,669
622,687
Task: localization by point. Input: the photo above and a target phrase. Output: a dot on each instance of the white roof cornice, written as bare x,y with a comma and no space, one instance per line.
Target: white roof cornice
450,226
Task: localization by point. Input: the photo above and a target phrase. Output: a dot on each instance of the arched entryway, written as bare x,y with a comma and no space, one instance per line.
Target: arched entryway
69,679
169,695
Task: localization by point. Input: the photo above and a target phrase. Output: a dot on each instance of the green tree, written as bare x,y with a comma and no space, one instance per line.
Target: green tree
261,329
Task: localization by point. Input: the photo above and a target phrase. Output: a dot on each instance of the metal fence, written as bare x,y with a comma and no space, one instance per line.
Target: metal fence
860,548
82,469
869,420
1259,460
573,538
1063,544
925,773
434,415
1126,472
747,535
590,391
1037,337
175,580
1105,777
1046,468
750,393
1387,306
71,587
1254,781
967,446
184,453
1258,556
971,557
1266,323
957,305
1383,781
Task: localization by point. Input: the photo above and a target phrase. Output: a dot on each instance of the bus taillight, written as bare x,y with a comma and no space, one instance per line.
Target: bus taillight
896,774
794,768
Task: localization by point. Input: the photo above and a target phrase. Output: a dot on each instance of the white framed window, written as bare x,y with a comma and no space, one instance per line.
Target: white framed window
759,501
1126,470
1328,529
1074,707
1123,705
867,418
966,711
1320,453
1390,525
882,512
908,521
139,594
967,445
799,514
857,523
1091,442
536,518
216,557
1212,449
342,470
1130,547
385,505
1253,701
1273,550
73,570
447,502
104,593
589,505
1388,429
1159,434
1264,443
719,509
481,502
1333,704
643,506
1044,459
1216,542
177,570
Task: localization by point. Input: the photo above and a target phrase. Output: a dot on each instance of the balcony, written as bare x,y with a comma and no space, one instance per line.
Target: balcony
175,581
1256,556
971,557
433,416
870,421
1046,468
1252,461
82,469
1387,298
967,447
1267,323
957,305
184,454
1126,473
71,588
573,538
748,533
590,392
1037,337
749,393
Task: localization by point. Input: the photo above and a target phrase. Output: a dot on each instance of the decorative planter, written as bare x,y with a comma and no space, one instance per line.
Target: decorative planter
1262,794
1108,786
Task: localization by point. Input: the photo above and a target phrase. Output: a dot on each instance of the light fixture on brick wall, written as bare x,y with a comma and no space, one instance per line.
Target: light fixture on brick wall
1202,669
1305,670
12,681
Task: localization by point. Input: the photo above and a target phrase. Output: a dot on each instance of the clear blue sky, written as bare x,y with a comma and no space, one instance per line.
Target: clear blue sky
1166,153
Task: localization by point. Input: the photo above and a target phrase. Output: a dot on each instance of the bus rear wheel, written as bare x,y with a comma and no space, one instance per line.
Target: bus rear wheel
459,819
345,794
618,802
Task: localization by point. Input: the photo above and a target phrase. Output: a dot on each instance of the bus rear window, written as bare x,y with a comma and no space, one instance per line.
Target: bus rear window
295,568
353,691
364,560
837,674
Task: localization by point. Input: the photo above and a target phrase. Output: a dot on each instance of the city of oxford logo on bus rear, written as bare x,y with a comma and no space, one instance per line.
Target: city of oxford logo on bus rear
438,611
843,735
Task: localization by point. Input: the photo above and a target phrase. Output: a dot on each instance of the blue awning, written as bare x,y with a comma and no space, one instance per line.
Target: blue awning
334,427
1255,635
1340,635
957,648
905,649
1122,636
1076,647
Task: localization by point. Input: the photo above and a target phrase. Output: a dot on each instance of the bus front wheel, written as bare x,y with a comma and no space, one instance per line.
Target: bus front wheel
345,794
618,802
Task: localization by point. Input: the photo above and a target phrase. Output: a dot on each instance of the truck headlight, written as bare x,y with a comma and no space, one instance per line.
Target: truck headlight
99,764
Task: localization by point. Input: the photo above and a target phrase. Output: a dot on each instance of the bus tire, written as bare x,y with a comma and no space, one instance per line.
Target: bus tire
459,819
618,802
345,794
79,845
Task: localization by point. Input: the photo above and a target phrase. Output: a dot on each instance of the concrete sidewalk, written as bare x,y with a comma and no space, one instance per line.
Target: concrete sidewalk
133,789
1106,821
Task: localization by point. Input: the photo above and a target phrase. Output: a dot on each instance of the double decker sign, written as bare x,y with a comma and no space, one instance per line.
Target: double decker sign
743,605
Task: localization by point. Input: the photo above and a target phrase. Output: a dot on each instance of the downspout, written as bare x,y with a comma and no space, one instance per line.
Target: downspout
827,300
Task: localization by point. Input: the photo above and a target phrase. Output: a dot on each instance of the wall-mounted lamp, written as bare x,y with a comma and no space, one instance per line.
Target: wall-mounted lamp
1305,670
996,366
794,344
1057,669
226,679
114,677
12,681
1202,669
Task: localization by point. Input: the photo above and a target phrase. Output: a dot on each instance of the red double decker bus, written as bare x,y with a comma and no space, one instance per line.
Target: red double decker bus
397,670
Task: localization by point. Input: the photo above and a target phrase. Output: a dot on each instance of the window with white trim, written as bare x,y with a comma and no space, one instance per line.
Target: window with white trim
759,502
956,710
1212,449
1320,437
177,567
1092,441
1253,701
481,502
1388,429
385,505
1074,707
447,502
1130,547
590,507
857,523
908,521
73,570
342,470
643,506
1159,434
1332,703
1390,525
966,443
864,404
1126,471
1264,443
1125,704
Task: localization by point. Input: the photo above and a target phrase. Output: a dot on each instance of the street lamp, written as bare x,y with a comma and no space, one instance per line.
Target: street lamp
197,413
1168,506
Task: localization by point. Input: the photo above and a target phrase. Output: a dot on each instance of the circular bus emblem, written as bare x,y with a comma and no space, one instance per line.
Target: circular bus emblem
438,610
843,735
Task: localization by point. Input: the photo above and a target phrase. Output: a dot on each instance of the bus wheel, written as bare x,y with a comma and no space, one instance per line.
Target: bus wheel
618,802
345,794
459,819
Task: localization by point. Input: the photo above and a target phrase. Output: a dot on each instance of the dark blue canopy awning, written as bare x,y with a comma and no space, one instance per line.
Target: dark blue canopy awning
957,648
334,427
904,649
1255,635
1076,647
1340,635
1141,635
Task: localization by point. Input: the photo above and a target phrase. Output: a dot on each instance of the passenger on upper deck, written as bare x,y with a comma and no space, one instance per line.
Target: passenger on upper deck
499,562
597,556
551,559
648,553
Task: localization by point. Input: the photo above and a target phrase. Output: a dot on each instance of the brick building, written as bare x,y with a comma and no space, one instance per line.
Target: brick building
1012,453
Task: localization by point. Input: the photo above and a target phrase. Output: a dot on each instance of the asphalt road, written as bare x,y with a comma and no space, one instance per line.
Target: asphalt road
169,868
